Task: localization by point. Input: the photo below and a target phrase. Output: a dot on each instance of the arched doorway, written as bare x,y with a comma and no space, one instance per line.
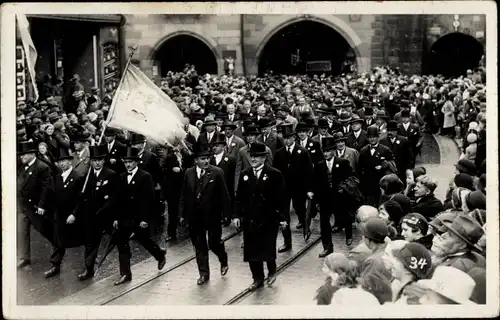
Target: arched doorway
454,53
182,49
289,49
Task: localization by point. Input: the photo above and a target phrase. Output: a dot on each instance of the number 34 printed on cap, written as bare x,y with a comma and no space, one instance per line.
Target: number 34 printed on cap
415,263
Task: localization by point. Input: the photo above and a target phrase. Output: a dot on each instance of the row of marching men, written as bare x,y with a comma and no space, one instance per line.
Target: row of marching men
119,191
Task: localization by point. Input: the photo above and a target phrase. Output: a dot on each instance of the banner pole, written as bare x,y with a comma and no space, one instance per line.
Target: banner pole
111,110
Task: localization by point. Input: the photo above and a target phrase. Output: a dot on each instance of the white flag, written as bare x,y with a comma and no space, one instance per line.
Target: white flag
140,106
29,49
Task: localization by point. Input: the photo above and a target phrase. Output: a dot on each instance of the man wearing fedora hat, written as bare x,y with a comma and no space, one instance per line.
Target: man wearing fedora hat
243,161
374,163
208,129
322,131
260,211
98,202
81,159
233,142
34,189
204,202
329,173
381,119
356,138
345,120
68,229
457,247
448,285
294,162
115,150
401,149
268,137
345,152
133,214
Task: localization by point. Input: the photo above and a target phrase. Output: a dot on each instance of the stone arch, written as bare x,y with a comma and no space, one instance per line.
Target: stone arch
337,24
208,41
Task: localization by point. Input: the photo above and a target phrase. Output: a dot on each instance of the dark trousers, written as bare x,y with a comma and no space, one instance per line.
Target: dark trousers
257,269
91,250
173,214
144,239
24,235
299,205
198,234
326,228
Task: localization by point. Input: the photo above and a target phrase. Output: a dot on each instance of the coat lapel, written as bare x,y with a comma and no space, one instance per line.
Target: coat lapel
206,178
29,173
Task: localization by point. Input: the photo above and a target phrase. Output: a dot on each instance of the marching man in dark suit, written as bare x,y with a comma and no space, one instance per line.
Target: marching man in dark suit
401,149
133,213
412,132
204,202
261,210
34,190
294,162
356,139
115,150
269,138
312,146
374,163
226,162
208,131
68,232
233,143
328,175
322,131
98,200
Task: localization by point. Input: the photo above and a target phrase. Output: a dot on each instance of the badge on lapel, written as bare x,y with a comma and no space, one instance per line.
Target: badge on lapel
298,151
98,183
106,197
398,142
226,159
310,144
133,182
337,165
105,182
233,144
264,177
245,178
382,158
313,151
30,173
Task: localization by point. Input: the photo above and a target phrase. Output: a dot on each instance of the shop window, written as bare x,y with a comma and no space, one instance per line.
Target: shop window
20,74
110,65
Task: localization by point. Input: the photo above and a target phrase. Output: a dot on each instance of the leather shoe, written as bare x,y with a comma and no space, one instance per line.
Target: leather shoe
256,285
325,253
299,225
124,278
271,279
52,272
22,263
224,269
348,241
163,260
202,280
284,248
86,275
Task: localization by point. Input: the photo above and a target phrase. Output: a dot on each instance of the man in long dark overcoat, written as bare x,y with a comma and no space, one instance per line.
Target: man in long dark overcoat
98,199
204,202
260,210
34,191
68,229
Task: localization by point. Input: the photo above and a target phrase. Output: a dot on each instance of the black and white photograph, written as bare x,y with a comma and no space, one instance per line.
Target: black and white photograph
262,159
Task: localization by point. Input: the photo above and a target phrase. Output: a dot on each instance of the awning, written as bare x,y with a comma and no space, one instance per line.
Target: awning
98,18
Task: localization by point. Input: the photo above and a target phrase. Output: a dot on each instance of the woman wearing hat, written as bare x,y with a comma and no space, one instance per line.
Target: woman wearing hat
414,228
260,211
449,122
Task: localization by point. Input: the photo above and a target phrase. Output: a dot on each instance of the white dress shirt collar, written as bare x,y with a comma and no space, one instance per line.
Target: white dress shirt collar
111,144
199,170
406,125
30,163
131,174
290,148
218,157
66,173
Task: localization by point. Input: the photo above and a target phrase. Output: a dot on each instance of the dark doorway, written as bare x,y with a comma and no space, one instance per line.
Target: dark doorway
453,54
314,41
179,50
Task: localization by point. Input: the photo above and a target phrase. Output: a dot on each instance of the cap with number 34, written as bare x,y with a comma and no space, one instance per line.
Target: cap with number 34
416,258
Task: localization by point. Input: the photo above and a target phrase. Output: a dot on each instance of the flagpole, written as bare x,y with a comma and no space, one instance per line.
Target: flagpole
110,113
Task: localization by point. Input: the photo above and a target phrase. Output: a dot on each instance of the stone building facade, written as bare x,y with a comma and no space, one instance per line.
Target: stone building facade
401,40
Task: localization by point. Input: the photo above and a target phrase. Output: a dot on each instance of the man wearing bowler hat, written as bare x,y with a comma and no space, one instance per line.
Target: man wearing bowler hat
98,202
133,213
224,161
204,202
68,229
401,149
115,150
374,163
368,117
322,131
34,190
328,174
313,147
260,211
233,142
356,139
295,164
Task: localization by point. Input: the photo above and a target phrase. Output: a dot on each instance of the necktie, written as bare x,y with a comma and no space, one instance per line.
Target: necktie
289,149
256,173
372,150
330,165
227,142
109,147
202,173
